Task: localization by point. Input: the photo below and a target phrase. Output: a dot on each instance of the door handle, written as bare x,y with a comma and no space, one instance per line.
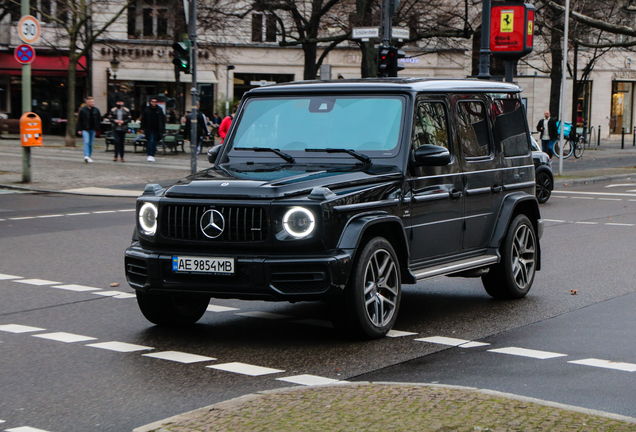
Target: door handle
496,188
455,194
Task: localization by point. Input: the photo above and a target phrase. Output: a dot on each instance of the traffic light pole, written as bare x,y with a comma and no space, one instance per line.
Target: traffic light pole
26,105
194,138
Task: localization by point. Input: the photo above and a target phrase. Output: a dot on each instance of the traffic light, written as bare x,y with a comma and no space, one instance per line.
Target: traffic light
388,62
181,58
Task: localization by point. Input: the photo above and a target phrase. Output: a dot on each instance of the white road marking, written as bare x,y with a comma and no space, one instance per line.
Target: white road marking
610,199
2,421
583,198
554,220
124,295
597,193
266,315
245,369
315,322
127,210
8,277
38,282
619,185
25,429
64,337
50,216
216,308
105,211
556,196
398,333
122,347
441,340
307,380
17,328
180,357
618,224
22,218
627,367
586,223
110,293
77,214
77,288
523,352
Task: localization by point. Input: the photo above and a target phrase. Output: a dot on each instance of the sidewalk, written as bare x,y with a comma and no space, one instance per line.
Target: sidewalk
55,167
389,406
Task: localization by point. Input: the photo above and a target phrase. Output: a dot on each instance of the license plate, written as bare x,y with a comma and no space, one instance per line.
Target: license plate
187,264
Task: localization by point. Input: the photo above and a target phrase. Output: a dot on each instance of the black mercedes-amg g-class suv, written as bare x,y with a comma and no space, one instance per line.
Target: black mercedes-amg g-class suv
343,191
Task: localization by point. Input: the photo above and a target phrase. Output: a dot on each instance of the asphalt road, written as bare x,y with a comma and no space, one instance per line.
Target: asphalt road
76,244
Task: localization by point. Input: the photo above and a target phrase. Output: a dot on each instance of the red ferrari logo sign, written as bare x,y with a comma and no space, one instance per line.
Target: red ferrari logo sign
511,30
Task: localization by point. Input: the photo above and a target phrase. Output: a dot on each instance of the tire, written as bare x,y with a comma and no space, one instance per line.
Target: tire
369,305
567,148
544,187
579,148
172,310
512,278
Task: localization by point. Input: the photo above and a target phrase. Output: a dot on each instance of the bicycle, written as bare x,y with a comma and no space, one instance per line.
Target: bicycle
574,147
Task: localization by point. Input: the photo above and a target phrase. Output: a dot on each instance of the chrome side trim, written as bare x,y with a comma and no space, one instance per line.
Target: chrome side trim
472,172
454,268
519,185
366,205
431,197
478,191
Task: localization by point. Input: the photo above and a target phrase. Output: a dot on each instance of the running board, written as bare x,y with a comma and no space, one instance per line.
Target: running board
456,267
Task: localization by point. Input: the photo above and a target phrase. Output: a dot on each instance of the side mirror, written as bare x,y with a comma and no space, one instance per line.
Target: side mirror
213,153
431,155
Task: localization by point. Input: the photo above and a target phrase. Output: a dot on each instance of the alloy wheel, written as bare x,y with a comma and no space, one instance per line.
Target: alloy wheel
381,288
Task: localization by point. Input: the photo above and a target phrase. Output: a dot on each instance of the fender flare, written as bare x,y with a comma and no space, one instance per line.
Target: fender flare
356,228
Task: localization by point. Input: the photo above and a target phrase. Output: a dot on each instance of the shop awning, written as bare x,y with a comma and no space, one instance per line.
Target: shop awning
43,65
163,75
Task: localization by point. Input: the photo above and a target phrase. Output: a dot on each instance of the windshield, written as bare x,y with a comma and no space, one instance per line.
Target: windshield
366,124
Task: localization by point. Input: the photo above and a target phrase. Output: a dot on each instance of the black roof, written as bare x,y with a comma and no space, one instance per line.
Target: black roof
393,84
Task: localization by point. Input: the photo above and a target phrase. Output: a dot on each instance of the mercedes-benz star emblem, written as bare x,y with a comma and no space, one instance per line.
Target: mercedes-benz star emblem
225,184
212,223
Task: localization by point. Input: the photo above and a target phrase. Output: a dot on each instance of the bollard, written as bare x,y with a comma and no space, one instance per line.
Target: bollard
623,137
634,137
598,139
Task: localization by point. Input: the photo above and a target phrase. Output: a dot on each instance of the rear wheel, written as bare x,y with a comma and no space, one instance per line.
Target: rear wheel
544,187
513,276
172,310
369,306
579,148
567,149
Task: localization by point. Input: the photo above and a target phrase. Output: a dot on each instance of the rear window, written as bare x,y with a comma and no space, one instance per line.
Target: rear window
510,127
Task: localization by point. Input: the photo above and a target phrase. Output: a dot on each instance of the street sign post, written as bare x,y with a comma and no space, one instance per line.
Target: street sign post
29,29
24,54
365,33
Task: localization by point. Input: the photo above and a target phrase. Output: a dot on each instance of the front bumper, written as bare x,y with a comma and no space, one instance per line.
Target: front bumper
256,277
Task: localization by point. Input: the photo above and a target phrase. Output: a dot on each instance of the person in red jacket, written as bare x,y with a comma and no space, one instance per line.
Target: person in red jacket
225,124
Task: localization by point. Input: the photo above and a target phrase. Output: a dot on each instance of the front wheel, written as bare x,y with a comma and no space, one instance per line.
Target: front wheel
369,306
513,276
544,187
579,148
567,149
172,310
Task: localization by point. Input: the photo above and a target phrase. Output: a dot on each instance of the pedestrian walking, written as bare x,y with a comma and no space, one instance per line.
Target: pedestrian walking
202,127
119,117
549,133
225,124
153,126
88,121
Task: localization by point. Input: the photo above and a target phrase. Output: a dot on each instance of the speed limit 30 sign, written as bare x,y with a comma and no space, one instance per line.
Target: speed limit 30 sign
29,29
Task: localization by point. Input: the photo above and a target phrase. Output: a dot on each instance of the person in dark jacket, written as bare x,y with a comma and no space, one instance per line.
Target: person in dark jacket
119,117
88,121
153,125
202,127
549,133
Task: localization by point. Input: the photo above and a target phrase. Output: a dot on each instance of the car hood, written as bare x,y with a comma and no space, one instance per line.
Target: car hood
276,180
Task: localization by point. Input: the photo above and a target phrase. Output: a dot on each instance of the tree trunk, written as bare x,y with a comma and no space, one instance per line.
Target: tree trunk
556,49
70,112
310,50
369,66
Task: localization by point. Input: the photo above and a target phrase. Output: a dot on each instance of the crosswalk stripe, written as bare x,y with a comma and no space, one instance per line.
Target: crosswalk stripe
25,429
216,308
77,288
119,346
17,328
307,380
179,357
398,333
9,277
64,337
441,340
245,369
627,367
38,282
523,352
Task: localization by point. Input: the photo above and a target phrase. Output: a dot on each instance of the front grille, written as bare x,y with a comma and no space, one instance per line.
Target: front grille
242,224
299,278
137,271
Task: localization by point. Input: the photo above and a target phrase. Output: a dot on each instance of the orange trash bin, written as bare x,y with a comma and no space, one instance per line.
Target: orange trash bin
30,130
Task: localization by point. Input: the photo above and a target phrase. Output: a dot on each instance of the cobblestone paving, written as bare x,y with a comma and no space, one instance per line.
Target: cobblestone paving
386,407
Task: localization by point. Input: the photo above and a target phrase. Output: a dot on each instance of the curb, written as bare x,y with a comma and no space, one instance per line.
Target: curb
600,179
242,399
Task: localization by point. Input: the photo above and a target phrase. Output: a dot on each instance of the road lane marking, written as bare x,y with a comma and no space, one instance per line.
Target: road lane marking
22,218
127,210
586,223
523,352
77,214
612,194
441,340
50,216
216,308
64,337
619,185
77,288
105,211
245,369
610,199
554,220
265,315
9,277
618,224
398,333
66,214
307,380
17,328
583,198
25,429
627,367
38,282
122,347
180,357
556,196
114,294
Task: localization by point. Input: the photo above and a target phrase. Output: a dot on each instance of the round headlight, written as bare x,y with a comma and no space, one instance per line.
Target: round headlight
148,218
299,222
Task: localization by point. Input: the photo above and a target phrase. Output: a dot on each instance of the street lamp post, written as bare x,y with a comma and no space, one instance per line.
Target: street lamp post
114,67
228,68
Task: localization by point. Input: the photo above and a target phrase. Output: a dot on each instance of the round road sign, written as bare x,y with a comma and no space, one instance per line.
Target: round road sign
24,54
29,29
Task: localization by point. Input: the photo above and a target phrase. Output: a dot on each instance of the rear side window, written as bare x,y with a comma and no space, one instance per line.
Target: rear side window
473,129
431,126
510,127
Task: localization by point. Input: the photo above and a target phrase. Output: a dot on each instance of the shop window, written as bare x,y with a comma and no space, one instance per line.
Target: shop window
473,130
583,105
622,103
263,27
4,95
150,19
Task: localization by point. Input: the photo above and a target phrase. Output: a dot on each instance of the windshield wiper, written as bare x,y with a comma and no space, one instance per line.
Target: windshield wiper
283,155
361,157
